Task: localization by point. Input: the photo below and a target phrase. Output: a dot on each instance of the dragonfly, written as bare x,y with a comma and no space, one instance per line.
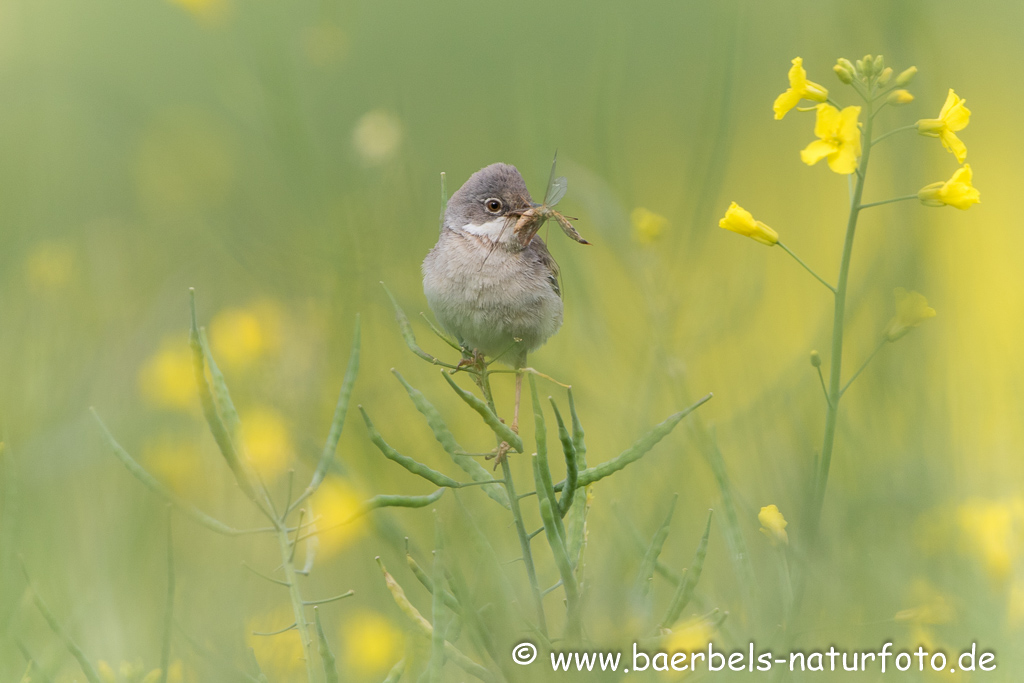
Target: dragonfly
531,220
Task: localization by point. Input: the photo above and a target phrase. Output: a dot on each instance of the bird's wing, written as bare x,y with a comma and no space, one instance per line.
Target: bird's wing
548,261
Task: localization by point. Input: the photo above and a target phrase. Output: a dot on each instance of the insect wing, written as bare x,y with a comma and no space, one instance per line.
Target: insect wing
556,190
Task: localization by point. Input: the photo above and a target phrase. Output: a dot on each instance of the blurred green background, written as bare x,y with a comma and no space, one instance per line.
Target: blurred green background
283,158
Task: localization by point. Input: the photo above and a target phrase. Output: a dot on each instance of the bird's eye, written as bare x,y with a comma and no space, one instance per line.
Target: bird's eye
493,205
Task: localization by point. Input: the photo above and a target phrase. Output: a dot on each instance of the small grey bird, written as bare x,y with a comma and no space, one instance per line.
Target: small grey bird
490,280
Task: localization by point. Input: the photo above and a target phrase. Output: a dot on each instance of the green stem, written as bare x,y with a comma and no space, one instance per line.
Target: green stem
889,201
838,320
298,606
891,132
806,267
824,389
863,365
484,381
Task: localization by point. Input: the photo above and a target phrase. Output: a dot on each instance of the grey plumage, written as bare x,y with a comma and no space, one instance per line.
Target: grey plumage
487,288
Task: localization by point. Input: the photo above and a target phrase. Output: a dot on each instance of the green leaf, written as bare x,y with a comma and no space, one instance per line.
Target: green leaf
500,429
684,592
571,467
156,487
644,576
447,440
213,419
408,335
634,452
326,656
391,501
417,468
541,469
337,421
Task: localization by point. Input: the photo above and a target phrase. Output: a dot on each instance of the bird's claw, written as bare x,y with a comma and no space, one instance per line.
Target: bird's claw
499,454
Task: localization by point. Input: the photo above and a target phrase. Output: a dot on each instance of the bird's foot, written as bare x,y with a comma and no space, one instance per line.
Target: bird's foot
472,360
499,454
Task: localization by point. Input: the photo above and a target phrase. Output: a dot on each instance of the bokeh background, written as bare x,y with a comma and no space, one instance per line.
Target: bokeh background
284,158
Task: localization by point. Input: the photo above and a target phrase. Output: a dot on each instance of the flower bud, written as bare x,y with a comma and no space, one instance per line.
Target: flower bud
901,96
863,68
842,73
815,359
740,221
878,65
884,77
867,66
906,76
773,525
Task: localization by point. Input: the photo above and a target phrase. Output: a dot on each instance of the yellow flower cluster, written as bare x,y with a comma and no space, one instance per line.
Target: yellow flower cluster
841,137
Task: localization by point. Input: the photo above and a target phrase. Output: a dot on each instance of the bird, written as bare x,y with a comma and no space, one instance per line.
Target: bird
490,280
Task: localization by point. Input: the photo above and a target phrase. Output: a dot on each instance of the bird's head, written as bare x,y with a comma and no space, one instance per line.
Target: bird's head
489,204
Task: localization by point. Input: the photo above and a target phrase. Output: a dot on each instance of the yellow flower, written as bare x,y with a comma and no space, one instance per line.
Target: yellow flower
799,89
994,530
740,221
167,378
953,117
773,525
647,225
957,191
689,636
267,441
912,309
840,139
240,336
338,507
372,642
106,672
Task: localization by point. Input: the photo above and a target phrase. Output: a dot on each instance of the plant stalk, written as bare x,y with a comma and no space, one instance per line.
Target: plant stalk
838,320
484,381
298,607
